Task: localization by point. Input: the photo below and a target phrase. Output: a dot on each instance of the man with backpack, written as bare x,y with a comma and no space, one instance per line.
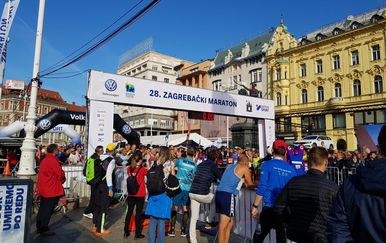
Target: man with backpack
185,174
104,191
92,172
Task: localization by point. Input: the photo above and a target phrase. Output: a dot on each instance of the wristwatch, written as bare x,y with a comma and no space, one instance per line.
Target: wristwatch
254,205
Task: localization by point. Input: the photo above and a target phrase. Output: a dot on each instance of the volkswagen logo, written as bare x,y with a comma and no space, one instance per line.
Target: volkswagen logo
111,85
44,124
126,129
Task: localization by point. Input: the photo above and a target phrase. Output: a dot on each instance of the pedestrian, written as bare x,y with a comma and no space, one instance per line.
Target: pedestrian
104,191
159,204
186,168
274,176
359,211
136,200
49,188
306,200
93,178
207,172
227,191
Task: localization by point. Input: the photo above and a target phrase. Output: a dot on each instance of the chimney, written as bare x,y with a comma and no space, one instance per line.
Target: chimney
73,102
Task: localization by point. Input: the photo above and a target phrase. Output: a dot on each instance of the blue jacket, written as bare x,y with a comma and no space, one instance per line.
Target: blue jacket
358,213
274,176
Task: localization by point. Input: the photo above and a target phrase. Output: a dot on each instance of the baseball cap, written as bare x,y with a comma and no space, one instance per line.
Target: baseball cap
279,143
110,147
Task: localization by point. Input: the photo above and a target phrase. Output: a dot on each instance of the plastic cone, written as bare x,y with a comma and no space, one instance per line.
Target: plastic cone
7,170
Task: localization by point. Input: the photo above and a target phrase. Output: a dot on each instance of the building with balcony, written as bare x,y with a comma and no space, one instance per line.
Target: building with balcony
156,67
242,66
14,107
193,75
331,80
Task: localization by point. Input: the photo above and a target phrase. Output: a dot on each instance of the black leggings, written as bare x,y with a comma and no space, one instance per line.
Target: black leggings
138,202
269,220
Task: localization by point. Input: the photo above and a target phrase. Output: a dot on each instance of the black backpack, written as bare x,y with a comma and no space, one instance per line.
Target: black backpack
132,183
155,180
172,186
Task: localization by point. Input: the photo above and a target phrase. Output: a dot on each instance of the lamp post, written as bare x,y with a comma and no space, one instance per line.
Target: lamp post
27,159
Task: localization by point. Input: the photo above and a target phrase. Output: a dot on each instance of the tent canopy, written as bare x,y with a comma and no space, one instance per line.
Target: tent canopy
176,139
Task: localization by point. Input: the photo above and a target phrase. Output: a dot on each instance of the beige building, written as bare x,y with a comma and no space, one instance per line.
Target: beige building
330,81
194,75
157,67
243,66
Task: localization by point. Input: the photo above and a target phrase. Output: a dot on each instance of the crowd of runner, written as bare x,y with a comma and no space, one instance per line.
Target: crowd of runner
298,200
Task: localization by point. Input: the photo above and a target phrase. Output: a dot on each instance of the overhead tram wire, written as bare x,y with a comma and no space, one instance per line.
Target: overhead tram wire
94,38
105,39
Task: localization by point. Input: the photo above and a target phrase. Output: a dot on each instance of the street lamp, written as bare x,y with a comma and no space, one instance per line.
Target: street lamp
27,159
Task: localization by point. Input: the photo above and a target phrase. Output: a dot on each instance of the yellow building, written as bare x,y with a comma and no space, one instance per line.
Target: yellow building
193,75
330,81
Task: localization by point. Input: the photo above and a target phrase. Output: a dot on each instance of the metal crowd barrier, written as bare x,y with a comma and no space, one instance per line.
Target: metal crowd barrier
72,173
338,176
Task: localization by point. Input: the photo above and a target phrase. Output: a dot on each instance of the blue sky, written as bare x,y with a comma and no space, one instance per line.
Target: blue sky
188,29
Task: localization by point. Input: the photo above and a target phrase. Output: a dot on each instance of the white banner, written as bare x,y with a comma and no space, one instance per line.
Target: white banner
100,126
6,21
13,205
129,90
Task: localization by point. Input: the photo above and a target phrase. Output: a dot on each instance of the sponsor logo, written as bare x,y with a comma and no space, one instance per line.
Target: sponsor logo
44,124
101,125
126,129
57,129
263,108
78,117
100,134
130,89
111,85
249,106
101,140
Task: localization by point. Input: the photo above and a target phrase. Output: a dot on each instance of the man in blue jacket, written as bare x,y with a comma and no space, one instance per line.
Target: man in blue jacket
359,214
274,176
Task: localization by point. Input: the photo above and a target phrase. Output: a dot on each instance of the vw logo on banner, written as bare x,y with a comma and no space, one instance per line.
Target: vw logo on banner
44,124
126,129
111,85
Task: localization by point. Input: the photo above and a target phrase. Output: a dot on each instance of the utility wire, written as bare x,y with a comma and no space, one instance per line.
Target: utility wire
99,34
69,76
105,39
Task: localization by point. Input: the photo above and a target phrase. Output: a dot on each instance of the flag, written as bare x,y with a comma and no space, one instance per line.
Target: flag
6,21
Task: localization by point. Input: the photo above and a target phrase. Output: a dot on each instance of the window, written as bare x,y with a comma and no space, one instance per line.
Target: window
378,84
216,84
319,66
278,74
286,99
303,70
355,25
259,94
166,80
319,37
355,57
320,93
338,90
278,99
256,75
154,68
154,78
357,87
45,110
304,96
339,120
336,31
313,123
376,52
336,61
287,124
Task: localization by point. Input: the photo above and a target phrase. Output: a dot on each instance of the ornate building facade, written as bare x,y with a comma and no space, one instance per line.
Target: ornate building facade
331,80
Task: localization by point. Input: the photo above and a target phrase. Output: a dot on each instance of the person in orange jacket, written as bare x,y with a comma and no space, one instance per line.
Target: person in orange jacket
49,187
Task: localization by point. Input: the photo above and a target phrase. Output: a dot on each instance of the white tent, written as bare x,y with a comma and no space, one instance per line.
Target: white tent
175,139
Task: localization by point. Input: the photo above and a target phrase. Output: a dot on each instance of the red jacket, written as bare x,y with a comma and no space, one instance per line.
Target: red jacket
51,177
140,179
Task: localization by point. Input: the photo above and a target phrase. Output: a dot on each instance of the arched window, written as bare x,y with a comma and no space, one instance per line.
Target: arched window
304,96
357,87
278,98
320,93
378,84
354,25
338,90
